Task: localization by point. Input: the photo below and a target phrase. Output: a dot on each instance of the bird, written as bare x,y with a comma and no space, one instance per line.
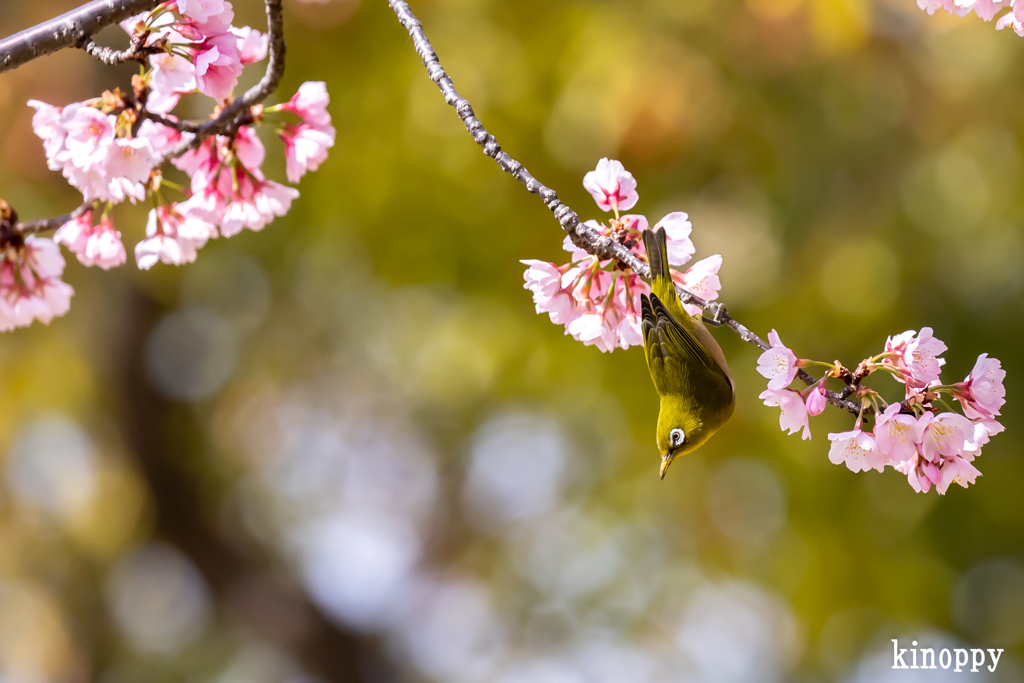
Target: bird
687,365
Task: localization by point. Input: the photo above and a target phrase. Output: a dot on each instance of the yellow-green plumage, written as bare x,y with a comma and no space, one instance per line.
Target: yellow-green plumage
686,363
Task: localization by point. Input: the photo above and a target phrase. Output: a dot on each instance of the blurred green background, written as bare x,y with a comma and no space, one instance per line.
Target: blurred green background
347,449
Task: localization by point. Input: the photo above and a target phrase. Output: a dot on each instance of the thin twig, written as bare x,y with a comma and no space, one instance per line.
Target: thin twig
112,57
70,29
582,235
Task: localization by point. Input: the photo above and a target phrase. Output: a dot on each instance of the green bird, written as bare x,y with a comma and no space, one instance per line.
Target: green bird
686,363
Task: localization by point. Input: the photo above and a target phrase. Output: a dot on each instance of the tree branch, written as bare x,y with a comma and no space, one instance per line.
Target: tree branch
112,57
70,29
580,233
230,118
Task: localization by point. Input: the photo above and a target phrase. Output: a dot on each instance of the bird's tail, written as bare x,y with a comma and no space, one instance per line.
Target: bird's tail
657,256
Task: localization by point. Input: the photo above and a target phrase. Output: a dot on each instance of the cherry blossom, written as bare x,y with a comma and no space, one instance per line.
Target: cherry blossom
253,203
983,431
896,434
793,415
596,328
778,364
47,124
857,449
956,470
921,473
107,147
252,45
986,9
171,77
915,356
816,399
702,280
945,434
88,133
98,245
677,233
217,65
310,103
161,138
544,279
30,283
1013,19
611,186
305,148
172,238
201,11
982,393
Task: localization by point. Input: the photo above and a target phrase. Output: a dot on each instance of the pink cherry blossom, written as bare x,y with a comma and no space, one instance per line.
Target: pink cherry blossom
1014,19
857,449
986,9
896,434
915,356
88,134
701,279
252,202
817,399
172,238
982,393
30,284
920,472
599,329
98,245
983,431
611,186
200,11
922,356
598,317
956,470
47,124
778,364
215,24
206,157
310,102
677,235
252,45
542,277
945,434
627,298
793,415
128,163
248,148
217,65
305,148
545,281
161,138
171,77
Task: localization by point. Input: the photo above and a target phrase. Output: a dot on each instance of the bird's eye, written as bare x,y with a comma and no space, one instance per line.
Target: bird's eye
676,436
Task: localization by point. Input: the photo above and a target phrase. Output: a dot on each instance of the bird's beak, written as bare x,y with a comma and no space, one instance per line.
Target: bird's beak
666,460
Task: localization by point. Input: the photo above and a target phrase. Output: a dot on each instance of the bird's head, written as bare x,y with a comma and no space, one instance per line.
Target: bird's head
682,429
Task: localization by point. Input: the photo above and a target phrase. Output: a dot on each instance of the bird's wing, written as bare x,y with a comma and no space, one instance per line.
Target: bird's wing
668,343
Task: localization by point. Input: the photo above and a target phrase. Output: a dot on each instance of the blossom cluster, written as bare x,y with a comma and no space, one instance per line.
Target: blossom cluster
598,301
921,436
111,149
30,279
986,9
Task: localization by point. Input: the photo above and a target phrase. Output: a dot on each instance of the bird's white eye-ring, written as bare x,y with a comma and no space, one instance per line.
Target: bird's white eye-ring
676,437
